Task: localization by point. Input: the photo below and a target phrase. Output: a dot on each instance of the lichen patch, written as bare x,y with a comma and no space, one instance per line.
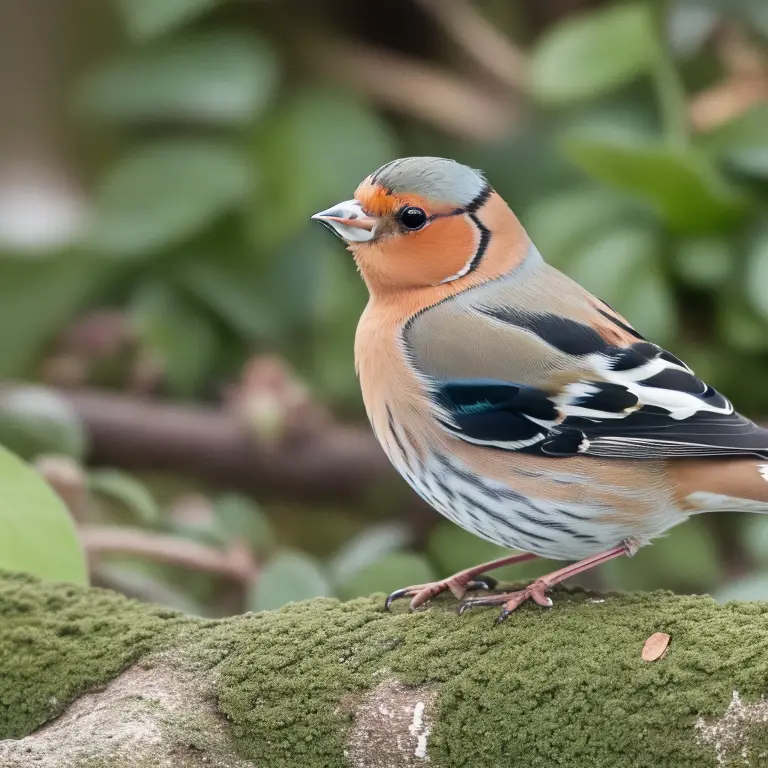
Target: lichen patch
145,717
391,727
732,735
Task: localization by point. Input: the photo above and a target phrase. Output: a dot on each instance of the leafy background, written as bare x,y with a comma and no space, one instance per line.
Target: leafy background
164,298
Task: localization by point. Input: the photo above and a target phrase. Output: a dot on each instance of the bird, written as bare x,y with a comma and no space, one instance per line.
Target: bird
513,401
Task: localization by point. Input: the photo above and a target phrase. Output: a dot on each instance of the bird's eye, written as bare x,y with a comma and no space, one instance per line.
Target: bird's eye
412,218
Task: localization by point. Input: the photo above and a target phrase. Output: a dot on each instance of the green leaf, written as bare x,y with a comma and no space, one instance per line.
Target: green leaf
37,534
235,292
685,559
650,306
164,193
176,335
386,574
149,18
608,264
288,577
593,54
314,152
366,548
35,420
563,223
239,517
225,77
633,284
705,262
523,166
739,324
751,161
115,485
690,25
741,143
451,549
58,284
756,285
683,187
617,120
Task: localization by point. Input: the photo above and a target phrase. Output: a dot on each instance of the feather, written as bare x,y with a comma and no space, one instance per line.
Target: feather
539,382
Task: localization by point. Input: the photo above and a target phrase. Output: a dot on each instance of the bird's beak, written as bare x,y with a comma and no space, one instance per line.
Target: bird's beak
348,221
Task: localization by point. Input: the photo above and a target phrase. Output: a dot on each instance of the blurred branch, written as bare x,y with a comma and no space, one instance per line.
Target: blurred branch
744,85
67,478
236,563
480,40
455,105
336,462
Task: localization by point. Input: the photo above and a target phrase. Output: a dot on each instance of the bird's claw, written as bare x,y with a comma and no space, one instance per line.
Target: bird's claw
510,601
487,583
396,595
420,593
502,617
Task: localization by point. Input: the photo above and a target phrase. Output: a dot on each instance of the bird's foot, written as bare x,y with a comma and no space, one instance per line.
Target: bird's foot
536,591
421,593
511,600
459,584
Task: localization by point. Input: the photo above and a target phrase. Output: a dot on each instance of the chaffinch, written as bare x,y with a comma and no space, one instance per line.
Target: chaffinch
517,404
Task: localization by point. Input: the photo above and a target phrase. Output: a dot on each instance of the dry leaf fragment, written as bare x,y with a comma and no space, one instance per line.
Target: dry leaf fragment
655,646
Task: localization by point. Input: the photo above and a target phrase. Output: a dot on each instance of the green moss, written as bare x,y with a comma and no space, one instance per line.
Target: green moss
561,687
57,641
757,736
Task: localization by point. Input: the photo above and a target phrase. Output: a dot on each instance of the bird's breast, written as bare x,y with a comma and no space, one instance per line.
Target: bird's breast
558,512
392,391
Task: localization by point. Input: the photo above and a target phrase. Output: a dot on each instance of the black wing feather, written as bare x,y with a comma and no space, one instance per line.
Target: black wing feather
668,414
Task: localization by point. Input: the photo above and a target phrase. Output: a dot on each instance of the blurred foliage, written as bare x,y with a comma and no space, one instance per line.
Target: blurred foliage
38,535
215,143
34,421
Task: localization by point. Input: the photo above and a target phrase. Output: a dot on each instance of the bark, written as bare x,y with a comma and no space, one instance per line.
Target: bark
89,678
339,462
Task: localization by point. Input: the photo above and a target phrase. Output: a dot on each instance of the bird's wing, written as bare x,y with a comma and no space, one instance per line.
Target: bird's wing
545,383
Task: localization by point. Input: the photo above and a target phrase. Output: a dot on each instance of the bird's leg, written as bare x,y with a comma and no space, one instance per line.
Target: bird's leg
536,591
459,584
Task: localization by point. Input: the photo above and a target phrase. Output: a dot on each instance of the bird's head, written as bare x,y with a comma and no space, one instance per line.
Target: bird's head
424,221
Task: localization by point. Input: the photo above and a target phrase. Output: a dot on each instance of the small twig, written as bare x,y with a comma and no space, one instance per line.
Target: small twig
480,39
745,83
236,563
453,104
68,479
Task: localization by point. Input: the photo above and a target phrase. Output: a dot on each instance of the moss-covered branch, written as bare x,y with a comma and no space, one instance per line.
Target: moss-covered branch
329,684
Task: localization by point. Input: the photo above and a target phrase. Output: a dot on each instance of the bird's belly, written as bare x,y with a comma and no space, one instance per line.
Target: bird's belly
537,522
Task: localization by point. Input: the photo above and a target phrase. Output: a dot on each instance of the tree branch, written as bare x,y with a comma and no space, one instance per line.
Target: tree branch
338,462
89,677
481,40
455,105
236,563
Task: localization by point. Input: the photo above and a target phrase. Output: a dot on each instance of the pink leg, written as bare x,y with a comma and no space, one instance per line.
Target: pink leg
536,591
459,584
